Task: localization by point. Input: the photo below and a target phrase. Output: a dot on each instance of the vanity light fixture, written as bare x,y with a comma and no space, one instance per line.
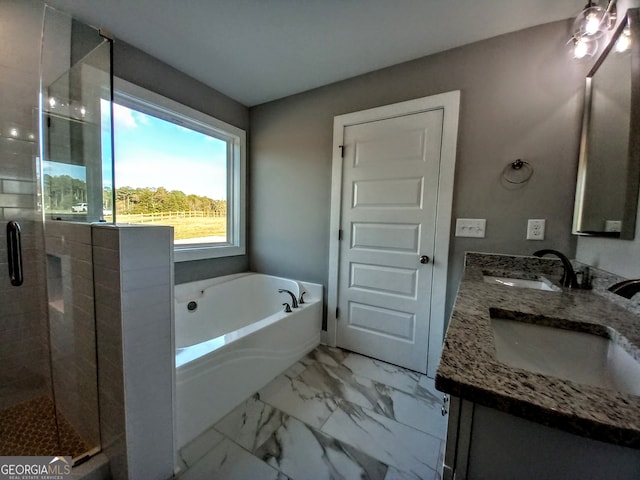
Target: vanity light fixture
590,24
595,20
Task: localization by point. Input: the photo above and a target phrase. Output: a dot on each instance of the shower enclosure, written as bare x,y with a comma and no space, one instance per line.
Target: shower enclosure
55,178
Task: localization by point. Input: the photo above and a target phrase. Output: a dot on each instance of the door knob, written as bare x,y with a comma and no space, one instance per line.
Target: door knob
424,259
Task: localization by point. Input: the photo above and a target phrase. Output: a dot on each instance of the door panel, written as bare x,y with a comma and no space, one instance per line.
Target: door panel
390,184
383,280
382,321
384,236
388,194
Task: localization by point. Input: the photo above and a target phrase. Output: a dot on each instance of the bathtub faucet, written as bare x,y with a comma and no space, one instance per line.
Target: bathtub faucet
294,300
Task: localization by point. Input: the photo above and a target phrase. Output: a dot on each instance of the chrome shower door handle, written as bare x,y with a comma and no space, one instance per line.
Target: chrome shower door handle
14,253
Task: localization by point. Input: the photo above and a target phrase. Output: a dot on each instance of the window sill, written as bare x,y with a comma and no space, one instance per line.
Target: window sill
187,254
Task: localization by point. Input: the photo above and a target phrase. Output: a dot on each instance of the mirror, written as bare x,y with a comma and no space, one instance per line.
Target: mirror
609,165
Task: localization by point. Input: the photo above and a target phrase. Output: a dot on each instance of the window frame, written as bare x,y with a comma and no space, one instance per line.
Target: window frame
140,99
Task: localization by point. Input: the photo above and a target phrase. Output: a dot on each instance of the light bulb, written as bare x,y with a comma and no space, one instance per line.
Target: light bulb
592,24
580,49
83,111
624,41
13,132
52,102
622,44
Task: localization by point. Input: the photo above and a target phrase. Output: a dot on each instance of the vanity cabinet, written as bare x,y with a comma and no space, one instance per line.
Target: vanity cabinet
509,420
484,443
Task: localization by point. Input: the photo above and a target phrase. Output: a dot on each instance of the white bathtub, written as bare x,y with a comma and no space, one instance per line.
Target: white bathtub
236,340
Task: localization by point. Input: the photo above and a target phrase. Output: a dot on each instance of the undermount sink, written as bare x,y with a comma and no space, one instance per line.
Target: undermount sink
580,357
540,283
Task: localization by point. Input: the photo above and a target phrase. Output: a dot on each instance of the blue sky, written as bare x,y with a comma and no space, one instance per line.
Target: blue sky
150,152
57,169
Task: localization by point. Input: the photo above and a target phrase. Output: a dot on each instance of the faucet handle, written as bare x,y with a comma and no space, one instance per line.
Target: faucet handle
301,301
586,282
287,307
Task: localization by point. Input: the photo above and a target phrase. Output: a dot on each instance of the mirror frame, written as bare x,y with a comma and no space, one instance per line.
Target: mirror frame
627,232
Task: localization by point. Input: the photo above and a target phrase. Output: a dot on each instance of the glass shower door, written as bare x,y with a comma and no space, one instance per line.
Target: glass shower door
76,189
48,367
27,416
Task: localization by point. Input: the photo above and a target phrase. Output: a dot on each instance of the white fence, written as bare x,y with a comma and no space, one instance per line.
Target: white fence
164,216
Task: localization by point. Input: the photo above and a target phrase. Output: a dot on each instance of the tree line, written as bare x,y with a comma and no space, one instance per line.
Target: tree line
153,200
63,191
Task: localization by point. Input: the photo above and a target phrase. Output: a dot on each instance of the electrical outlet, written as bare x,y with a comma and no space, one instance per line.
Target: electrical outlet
471,227
535,229
612,225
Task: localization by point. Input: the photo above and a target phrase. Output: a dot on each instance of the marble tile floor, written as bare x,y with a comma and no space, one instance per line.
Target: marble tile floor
333,415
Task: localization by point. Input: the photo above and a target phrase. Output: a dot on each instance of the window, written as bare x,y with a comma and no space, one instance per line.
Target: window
177,166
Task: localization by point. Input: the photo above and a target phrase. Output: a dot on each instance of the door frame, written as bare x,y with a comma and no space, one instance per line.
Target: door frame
450,103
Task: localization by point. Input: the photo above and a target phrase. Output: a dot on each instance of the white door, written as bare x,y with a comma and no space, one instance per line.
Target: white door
388,218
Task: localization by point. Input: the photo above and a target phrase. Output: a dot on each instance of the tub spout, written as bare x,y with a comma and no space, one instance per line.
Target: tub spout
294,300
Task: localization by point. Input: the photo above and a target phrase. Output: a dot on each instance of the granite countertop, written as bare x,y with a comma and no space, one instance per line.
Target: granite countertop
468,367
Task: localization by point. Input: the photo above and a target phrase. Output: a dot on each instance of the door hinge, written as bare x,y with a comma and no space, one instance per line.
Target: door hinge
341,147
337,312
340,234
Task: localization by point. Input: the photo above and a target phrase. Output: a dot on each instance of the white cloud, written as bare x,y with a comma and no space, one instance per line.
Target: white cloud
140,118
123,117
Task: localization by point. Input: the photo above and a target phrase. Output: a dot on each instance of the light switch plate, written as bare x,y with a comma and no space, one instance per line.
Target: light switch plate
535,229
471,227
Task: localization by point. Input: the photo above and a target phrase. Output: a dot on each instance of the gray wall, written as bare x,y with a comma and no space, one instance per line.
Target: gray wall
135,66
521,98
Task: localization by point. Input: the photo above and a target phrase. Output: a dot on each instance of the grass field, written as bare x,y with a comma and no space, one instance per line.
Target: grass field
186,228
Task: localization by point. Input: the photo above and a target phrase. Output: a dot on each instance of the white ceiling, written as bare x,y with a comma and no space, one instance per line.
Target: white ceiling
259,50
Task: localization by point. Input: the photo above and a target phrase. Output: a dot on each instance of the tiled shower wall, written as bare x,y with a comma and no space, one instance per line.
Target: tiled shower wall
23,340
72,326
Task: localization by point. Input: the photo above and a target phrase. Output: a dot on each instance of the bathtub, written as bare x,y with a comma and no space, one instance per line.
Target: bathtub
232,337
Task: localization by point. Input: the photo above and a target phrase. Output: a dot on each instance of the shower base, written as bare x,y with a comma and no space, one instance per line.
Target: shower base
29,429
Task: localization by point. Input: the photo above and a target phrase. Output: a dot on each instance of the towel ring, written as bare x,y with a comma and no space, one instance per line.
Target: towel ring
517,172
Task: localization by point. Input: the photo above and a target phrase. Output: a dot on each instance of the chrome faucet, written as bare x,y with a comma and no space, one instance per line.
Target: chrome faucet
569,275
626,288
294,300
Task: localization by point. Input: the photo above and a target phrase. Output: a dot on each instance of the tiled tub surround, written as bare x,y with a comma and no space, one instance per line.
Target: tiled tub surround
334,414
469,369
